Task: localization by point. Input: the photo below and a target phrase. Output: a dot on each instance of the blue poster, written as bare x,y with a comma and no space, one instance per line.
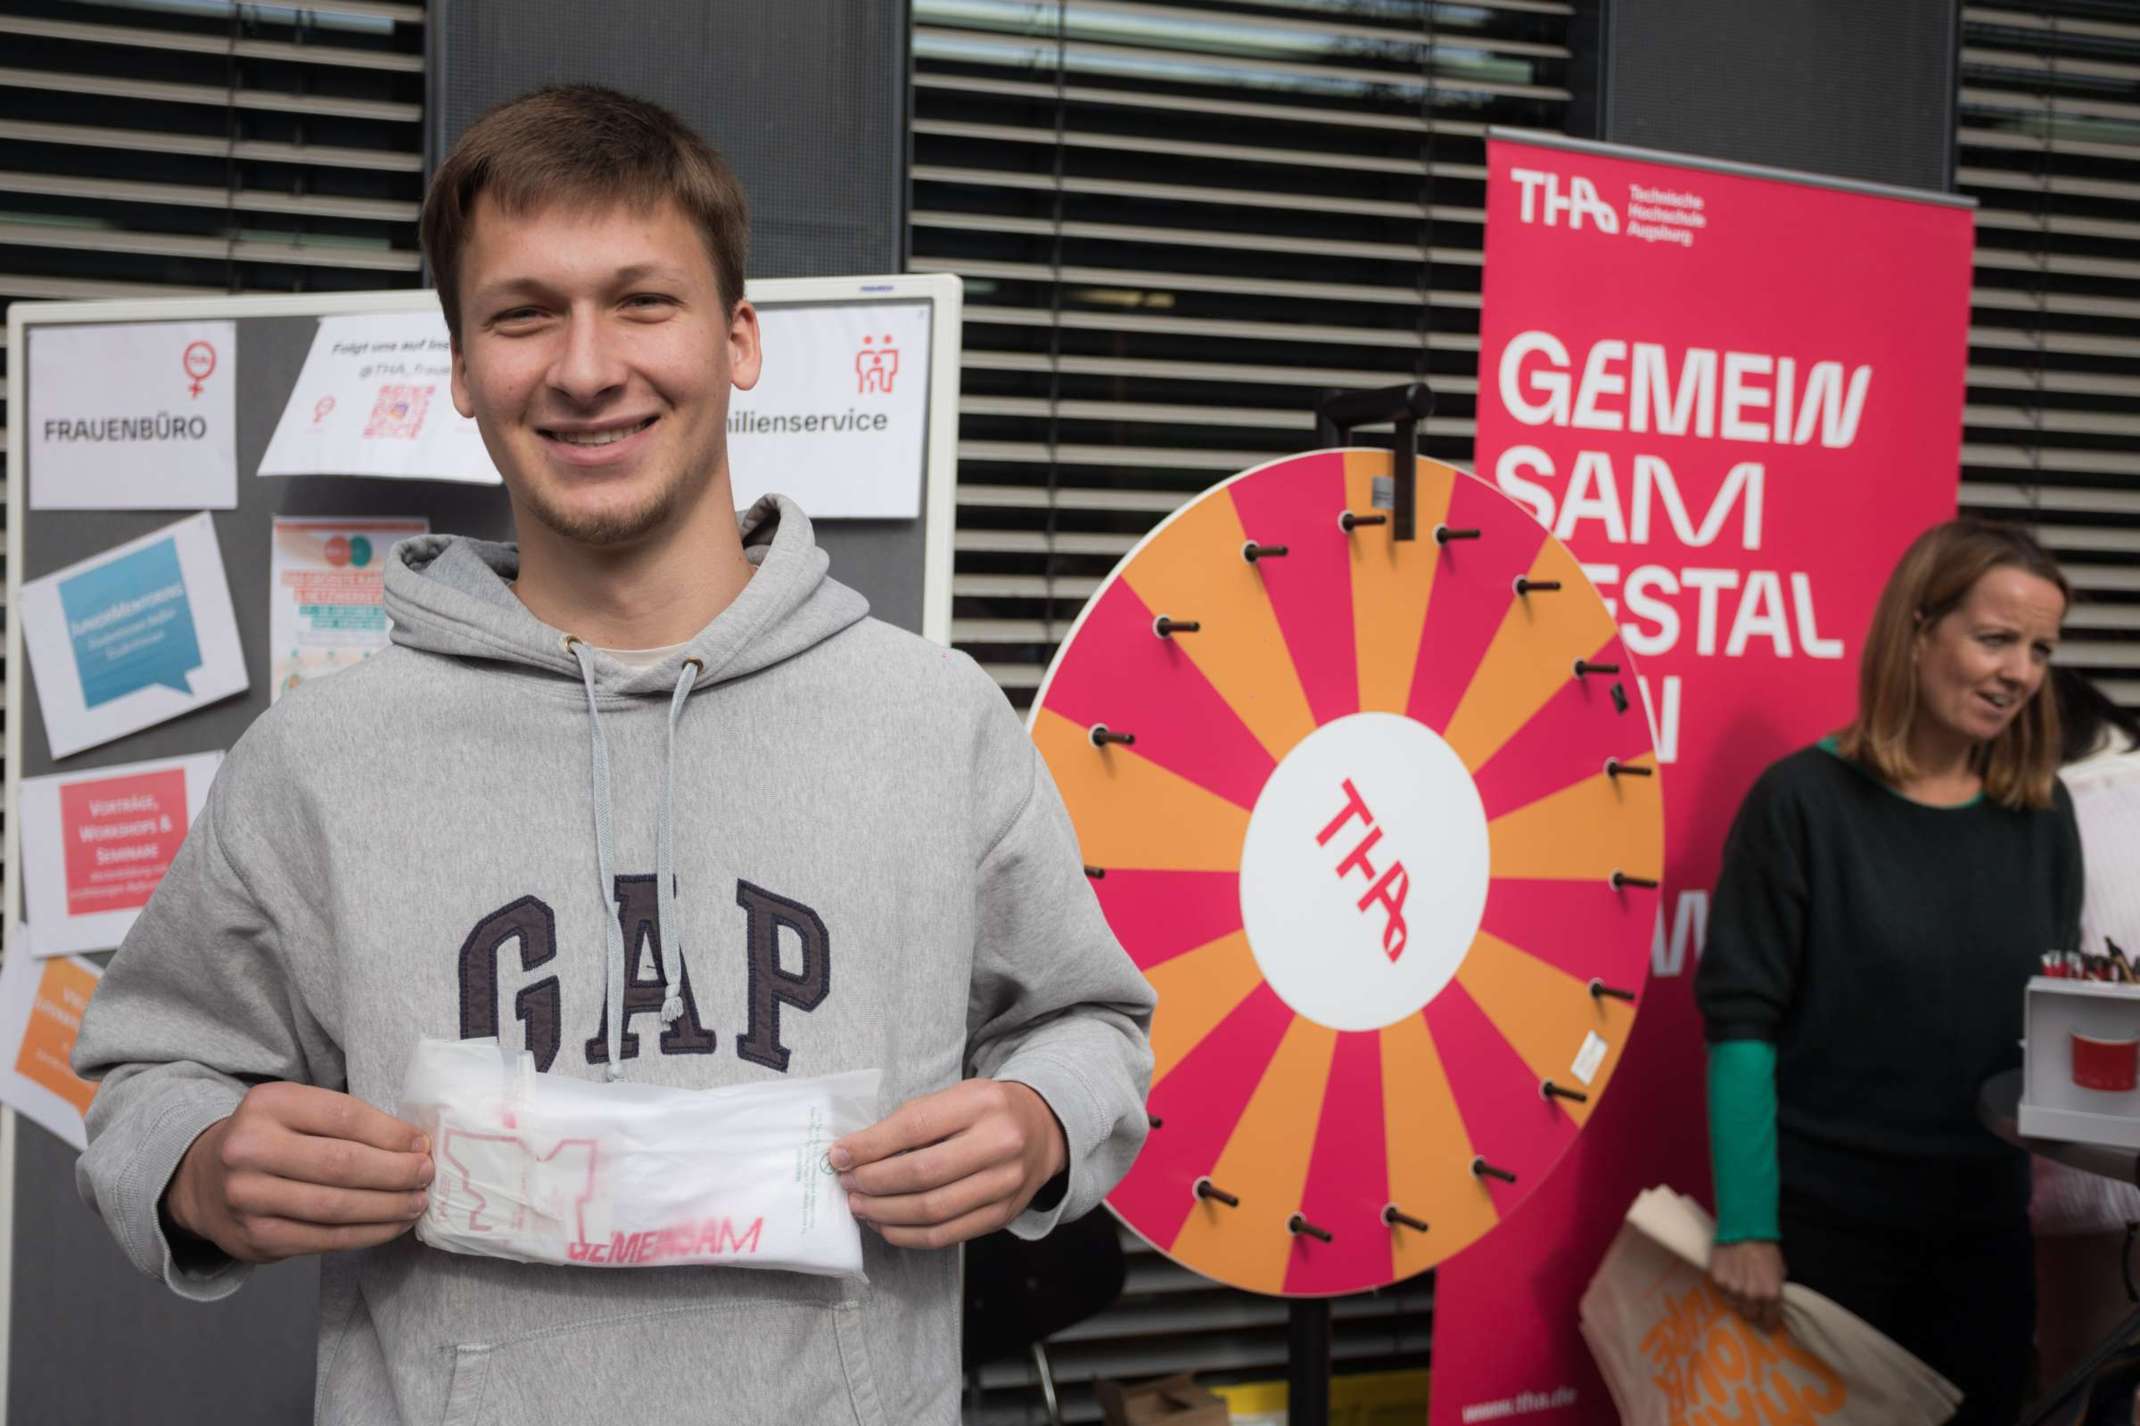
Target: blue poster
132,625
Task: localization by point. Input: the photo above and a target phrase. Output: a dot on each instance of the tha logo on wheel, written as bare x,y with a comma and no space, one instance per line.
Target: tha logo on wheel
1386,890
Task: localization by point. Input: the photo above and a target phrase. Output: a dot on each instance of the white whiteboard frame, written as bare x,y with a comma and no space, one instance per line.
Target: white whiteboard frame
944,292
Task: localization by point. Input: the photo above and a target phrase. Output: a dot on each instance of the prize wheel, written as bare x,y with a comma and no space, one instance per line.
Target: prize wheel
1379,820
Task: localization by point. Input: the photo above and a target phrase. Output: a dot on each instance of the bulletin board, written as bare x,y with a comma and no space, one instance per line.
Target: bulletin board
66,1293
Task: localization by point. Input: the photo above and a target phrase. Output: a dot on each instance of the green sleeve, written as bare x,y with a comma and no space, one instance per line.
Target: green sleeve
1742,1140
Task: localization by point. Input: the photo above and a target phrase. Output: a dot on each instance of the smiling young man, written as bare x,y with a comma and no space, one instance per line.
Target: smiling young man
650,795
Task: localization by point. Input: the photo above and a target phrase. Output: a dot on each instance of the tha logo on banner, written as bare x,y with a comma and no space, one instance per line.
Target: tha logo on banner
1542,195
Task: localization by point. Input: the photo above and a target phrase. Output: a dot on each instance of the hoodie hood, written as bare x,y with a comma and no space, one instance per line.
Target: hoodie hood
448,594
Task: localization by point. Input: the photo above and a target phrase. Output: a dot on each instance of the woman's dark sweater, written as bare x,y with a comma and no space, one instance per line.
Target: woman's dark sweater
1882,946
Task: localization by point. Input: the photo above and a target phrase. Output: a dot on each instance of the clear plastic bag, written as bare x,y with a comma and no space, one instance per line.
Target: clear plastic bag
549,1169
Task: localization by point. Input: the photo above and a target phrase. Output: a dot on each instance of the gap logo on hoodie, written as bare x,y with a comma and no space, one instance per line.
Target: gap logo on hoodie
529,925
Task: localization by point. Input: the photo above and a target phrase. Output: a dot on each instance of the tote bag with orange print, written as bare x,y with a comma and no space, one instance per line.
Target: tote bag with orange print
1673,1354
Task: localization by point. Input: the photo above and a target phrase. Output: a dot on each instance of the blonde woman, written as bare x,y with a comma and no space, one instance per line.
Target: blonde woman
1883,899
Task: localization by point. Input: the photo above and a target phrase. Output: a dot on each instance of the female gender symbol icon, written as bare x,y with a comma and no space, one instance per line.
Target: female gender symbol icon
199,362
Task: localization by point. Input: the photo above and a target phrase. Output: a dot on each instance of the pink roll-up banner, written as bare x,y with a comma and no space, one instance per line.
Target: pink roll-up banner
1736,394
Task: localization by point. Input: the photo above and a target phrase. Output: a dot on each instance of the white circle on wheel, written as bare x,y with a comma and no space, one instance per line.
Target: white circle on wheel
1364,874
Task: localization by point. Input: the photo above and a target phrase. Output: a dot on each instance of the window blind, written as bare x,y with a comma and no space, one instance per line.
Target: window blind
2048,142
170,146
1178,222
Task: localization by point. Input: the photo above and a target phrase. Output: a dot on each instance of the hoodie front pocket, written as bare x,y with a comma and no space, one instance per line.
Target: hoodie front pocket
797,1364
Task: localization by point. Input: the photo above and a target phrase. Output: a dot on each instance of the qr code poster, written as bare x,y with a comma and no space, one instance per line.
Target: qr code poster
373,399
398,413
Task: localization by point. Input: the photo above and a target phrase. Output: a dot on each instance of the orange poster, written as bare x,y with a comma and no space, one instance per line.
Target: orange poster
62,995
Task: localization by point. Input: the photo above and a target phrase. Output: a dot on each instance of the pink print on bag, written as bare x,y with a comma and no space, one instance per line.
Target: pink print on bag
557,1187
565,1175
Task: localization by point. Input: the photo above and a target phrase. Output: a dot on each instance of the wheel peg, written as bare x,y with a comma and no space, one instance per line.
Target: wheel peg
1205,1188
1482,1169
1302,1228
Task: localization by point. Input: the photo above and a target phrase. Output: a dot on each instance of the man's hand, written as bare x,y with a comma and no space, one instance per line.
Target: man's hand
1750,1276
300,1170
952,1165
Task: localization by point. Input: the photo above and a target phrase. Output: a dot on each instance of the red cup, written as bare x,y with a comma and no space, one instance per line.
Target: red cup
2109,1065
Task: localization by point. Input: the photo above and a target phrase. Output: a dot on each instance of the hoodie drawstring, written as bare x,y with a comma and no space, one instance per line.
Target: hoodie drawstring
671,928
668,923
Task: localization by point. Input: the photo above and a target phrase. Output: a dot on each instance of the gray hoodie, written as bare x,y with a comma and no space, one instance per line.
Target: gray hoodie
872,868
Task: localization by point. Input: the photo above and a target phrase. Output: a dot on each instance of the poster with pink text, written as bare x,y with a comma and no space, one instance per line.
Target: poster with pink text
96,844
1736,394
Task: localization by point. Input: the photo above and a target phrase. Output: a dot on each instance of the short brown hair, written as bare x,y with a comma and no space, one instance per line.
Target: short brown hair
585,145
1930,582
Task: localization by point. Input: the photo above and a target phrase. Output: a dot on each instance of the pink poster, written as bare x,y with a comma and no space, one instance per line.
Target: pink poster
96,843
1736,396
120,835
